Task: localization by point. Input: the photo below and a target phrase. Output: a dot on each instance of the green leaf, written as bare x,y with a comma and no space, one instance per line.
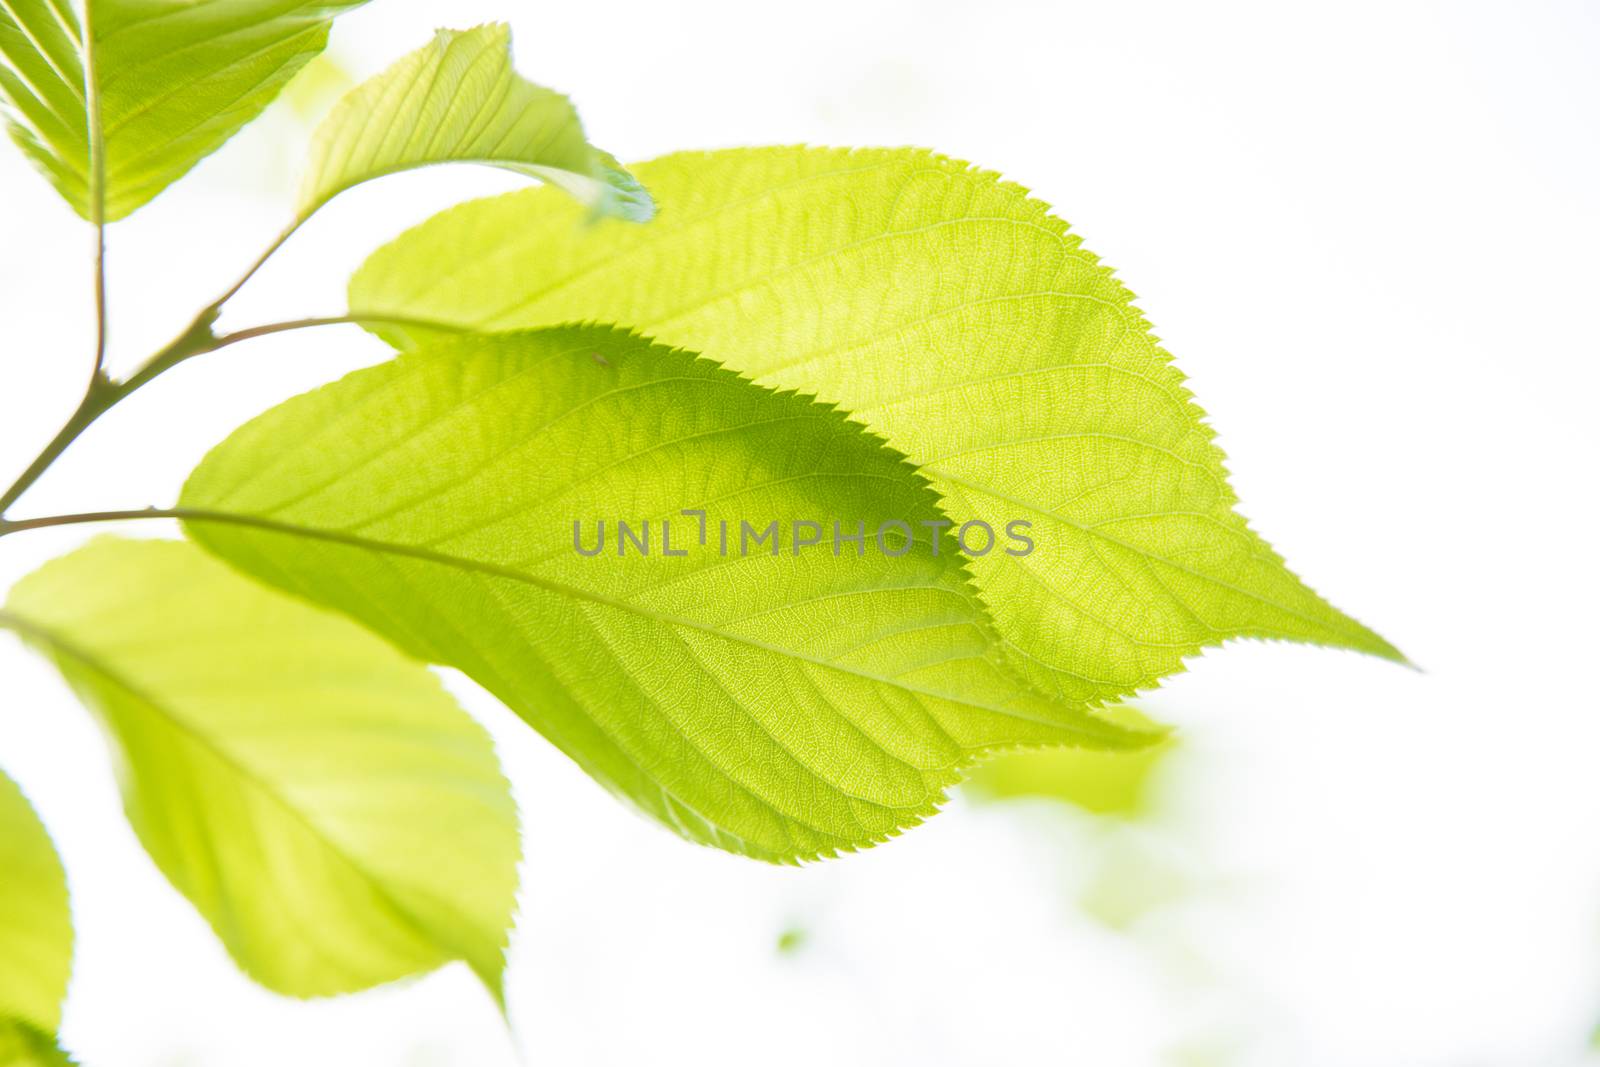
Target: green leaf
784,706
318,797
25,1045
35,925
1105,783
955,316
174,79
458,100
42,86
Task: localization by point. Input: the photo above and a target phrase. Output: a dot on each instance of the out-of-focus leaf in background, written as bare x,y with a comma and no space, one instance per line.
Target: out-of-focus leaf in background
1105,783
318,86
35,931
1132,873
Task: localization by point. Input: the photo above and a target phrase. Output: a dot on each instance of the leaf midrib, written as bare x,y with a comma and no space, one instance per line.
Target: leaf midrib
1085,726
26,627
1243,532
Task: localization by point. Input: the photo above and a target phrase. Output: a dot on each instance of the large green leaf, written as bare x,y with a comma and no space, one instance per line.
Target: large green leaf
35,925
458,100
783,704
173,79
317,796
954,315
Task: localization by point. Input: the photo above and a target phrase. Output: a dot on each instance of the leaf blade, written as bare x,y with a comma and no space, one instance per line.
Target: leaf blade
318,798
174,80
25,1045
780,706
916,291
458,99
35,923
42,92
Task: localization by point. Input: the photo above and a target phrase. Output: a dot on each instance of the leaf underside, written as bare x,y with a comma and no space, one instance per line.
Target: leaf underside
175,79
320,800
35,926
782,706
951,313
458,99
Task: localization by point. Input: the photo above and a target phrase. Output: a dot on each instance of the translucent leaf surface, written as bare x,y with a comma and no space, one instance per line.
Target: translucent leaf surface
951,313
316,795
24,1045
35,925
458,100
783,704
174,79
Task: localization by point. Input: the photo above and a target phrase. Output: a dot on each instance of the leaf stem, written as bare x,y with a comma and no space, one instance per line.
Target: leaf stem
96,401
100,324
100,394
104,394
11,526
260,261
357,319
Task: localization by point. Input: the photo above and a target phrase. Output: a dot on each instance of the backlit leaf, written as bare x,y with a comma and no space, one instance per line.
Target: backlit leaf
317,796
954,315
25,1045
174,80
35,927
781,704
458,100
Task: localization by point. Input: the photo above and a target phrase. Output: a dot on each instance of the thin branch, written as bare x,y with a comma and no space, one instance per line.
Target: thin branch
95,403
250,271
104,395
11,526
101,331
99,395
403,321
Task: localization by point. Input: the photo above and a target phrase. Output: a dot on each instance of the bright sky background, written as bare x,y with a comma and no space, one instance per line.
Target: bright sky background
1367,232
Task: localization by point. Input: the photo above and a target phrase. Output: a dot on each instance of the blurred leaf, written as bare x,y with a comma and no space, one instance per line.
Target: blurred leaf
1134,877
1106,783
458,99
174,80
318,797
792,940
35,925
319,85
953,315
24,1045
780,705
1208,1050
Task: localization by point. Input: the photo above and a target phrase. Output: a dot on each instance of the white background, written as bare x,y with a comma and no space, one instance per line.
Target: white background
1369,233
